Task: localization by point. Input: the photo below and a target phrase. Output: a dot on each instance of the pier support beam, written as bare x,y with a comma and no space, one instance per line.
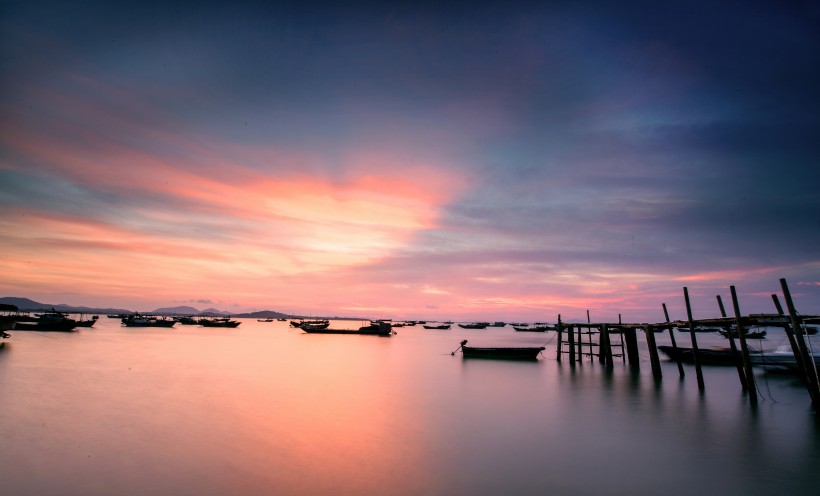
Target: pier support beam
693,337
808,361
737,358
632,354
674,343
653,352
747,363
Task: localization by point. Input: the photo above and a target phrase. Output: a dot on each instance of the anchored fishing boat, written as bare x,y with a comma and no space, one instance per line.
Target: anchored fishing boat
520,353
374,329
475,325
52,320
219,322
442,327
139,320
537,328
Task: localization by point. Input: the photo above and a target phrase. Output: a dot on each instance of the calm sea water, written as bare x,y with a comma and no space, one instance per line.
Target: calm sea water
264,409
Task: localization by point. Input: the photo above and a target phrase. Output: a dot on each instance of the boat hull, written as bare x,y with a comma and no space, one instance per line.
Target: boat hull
529,353
383,329
46,326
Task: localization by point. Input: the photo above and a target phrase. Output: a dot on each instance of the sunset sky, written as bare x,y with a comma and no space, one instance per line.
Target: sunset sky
491,161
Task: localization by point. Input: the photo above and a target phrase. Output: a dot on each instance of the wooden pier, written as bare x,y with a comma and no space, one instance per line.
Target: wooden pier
598,340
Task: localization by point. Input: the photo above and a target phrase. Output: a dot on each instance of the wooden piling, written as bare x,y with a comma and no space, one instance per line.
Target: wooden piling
634,358
571,335
798,355
747,363
654,359
605,348
695,358
808,360
674,343
560,339
735,355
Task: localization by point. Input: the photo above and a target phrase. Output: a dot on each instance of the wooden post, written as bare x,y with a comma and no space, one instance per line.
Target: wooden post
560,342
808,360
605,348
653,352
747,363
737,358
571,335
632,348
601,338
798,356
581,346
674,343
695,358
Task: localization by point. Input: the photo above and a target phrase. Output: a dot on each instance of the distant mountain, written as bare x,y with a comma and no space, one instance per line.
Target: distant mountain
214,311
27,304
263,314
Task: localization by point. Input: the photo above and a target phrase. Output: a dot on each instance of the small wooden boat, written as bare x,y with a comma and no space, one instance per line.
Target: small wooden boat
442,327
88,323
376,329
746,333
497,324
706,356
219,322
138,320
523,353
313,324
264,320
543,328
699,329
475,325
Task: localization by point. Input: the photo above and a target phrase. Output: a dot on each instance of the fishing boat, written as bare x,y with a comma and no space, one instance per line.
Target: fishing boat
520,353
442,327
139,320
475,325
698,329
711,356
781,360
219,322
313,324
188,320
374,329
537,328
497,324
264,320
88,323
52,320
746,333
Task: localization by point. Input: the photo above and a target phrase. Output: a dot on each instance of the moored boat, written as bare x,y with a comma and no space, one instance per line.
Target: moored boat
313,324
512,353
219,322
374,329
746,333
52,320
139,320
537,328
88,323
442,327
475,325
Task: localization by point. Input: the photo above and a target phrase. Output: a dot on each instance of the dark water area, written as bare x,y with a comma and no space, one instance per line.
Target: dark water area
265,409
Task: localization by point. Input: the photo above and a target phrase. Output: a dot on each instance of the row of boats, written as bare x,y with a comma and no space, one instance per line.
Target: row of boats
55,320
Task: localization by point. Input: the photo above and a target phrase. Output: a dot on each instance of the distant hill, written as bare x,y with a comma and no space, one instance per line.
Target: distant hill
263,314
27,304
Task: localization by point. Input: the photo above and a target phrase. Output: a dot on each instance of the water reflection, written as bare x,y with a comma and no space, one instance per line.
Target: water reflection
263,409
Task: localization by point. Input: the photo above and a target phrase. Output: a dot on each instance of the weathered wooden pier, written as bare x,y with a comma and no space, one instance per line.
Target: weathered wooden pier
620,340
